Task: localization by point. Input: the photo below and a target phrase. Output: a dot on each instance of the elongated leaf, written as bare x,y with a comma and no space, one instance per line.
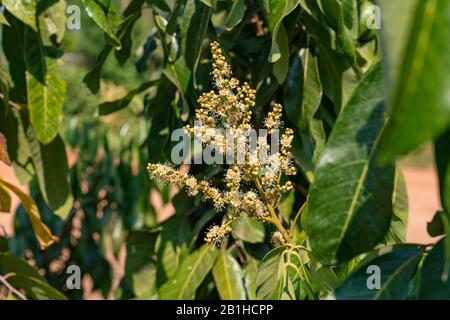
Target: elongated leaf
236,14
45,90
92,79
173,247
228,277
24,10
37,289
3,20
277,10
50,163
432,283
396,268
397,230
351,198
5,199
140,265
249,230
312,90
113,106
193,29
269,281
442,150
190,275
43,233
421,91
96,11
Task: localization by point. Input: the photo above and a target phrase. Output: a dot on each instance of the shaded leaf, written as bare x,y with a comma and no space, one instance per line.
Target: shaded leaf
351,198
4,156
236,14
190,275
396,265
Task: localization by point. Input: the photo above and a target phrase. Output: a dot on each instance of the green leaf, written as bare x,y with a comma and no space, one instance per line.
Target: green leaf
97,10
437,227
190,275
396,265
249,230
46,92
228,277
281,66
434,285
37,289
397,230
421,90
351,198
442,156
277,10
24,10
3,20
112,106
193,30
140,264
268,280
236,14
50,163
173,247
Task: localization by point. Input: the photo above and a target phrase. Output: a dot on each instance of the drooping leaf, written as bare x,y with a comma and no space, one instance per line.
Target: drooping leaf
249,230
97,10
50,163
351,198
421,90
269,281
397,230
45,90
190,275
228,277
277,10
394,266
37,289
5,199
42,232
193,29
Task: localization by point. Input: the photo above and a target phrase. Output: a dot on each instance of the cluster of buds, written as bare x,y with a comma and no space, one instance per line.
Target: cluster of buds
253,188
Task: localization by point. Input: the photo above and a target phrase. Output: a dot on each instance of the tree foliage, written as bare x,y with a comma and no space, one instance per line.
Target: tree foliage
357,98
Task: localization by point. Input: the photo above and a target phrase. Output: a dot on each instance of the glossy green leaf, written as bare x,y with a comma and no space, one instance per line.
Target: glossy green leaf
433,283
421,90
236,14
442,155
50,163
24,10
351,198
37,289
397,230
190,275
193,29
228,277
277,10
396,268
97,10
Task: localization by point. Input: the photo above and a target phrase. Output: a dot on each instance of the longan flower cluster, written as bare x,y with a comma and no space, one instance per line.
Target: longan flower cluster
252,188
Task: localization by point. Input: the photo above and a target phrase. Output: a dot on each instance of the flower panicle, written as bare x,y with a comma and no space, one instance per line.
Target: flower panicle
227,109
